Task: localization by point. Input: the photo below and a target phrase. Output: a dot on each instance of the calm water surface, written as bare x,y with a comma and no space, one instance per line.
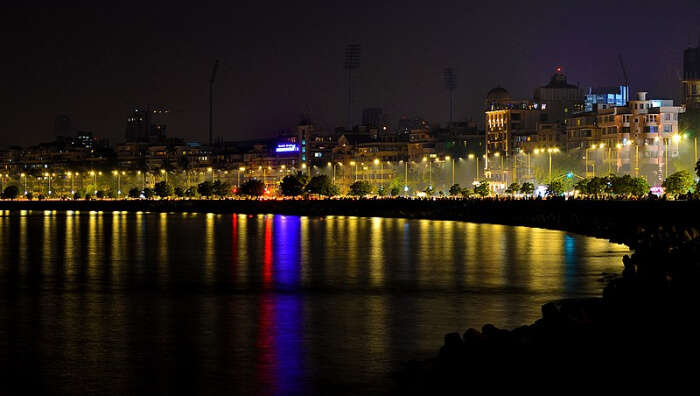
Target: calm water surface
203,303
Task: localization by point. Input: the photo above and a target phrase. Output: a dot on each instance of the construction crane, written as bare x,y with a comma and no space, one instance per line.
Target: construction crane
211,102
624,71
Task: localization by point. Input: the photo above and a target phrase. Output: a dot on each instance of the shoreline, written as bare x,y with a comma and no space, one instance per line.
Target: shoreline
618,221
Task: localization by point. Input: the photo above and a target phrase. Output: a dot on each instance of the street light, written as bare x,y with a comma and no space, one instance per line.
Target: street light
334,165
210,170
119,182
448,158
550,151
70,176
476,174
378,162
48,177
238,181
94,180
25,183
353,163
503,173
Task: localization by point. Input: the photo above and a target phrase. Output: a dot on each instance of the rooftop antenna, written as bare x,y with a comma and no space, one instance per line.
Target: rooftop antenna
211,102
352,62
450,83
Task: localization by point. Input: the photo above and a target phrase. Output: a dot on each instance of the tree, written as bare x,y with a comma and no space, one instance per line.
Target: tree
679,183
148,193
293,185
222,189
100,194
360,188
582,186
429,191
595,186
455,190
482,189
640,187
467,192
191,192
555,189
179,192
527,188
163,189
381,191
111,194
321,185
253,188
621,185
77,195
134,193
10,192
205,188
514,188
394,191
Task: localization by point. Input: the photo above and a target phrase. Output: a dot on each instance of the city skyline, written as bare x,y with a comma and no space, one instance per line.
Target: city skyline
276,67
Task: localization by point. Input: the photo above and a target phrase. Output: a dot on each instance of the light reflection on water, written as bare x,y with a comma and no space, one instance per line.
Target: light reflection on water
131,302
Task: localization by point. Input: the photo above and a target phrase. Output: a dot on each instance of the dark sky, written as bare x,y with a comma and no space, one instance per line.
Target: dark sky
93,61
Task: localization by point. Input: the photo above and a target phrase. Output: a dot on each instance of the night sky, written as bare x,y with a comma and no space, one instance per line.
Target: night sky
94,61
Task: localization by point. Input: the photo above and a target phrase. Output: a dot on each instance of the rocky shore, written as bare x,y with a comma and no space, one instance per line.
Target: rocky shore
642,332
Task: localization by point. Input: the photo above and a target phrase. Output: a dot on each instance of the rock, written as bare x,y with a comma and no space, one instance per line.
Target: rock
453,348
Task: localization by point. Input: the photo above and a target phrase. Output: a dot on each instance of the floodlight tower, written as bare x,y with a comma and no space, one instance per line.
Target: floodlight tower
450,79
211,102
352,62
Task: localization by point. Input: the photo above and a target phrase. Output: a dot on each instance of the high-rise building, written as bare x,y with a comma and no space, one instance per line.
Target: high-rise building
691,78
559,97
62,126
373,117
146,125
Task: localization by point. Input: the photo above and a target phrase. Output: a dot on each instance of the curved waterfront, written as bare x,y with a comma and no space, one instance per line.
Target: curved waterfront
265,303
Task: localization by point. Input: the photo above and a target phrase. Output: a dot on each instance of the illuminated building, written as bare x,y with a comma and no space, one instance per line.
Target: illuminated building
637,137
559,97
606,97
510,123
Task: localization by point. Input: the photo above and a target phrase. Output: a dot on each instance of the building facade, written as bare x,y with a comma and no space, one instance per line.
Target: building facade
640,138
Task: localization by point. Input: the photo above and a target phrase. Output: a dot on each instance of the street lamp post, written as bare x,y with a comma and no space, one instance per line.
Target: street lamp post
550,151
238,179
353,163
405,177
94,180
453,168
70,176
529,172
503,175
476,173
381,168
25,183
48,178
666,158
